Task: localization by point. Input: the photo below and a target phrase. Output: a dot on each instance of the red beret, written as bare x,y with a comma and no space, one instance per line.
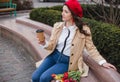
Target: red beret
75,7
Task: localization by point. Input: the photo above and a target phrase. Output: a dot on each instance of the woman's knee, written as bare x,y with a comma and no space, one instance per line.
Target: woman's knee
45,78
35,78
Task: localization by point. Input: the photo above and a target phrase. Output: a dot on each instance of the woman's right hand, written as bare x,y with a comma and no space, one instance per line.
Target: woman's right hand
42,43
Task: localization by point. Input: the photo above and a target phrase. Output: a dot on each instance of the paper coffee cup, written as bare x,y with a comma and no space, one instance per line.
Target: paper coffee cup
40,35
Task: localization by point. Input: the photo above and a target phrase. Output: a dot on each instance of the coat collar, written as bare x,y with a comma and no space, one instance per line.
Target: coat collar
61,25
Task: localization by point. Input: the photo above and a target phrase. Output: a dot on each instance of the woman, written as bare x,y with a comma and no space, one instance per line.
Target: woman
67,42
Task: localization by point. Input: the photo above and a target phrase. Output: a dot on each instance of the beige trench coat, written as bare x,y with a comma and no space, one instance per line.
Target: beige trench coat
79,42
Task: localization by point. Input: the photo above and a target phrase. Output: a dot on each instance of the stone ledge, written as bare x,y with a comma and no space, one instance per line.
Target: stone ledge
24,20
18,38
34,24
19,35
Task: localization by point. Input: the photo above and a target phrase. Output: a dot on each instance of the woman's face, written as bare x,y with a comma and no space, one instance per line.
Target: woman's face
66,14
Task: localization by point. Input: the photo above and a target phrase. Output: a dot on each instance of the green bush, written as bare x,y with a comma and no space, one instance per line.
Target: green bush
93,11
45,15
58,7
34,14
102,13
105,36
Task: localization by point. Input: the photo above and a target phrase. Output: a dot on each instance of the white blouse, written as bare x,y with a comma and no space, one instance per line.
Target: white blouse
62,38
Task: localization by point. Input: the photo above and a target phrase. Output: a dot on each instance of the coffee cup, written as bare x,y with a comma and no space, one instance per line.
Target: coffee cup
40,35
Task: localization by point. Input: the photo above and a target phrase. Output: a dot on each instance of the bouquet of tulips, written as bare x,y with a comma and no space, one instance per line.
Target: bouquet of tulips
72,76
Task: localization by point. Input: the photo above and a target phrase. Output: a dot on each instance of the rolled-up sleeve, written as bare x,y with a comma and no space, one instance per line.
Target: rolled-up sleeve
50,43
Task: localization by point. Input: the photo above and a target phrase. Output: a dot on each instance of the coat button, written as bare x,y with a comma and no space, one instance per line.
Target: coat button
72,44
72,54
69,71
70,62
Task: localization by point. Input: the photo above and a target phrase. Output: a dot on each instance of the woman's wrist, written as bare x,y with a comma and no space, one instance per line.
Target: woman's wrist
102,62
42,43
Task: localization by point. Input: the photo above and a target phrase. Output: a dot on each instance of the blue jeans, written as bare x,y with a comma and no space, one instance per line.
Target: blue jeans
55,63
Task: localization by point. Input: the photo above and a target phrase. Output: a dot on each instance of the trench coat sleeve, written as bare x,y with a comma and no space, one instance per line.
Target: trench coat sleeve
93,52
50,43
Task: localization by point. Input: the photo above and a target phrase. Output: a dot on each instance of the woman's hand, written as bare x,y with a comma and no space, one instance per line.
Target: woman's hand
108,65
42,43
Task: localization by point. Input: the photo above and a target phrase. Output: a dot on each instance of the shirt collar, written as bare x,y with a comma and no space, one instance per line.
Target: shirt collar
73,27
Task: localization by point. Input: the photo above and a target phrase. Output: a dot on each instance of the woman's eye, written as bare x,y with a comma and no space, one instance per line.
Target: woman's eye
66,11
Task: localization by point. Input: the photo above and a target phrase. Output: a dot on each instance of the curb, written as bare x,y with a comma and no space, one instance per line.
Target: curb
34,24
20,39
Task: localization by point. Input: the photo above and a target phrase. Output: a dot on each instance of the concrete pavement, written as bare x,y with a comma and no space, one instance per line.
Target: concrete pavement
15,63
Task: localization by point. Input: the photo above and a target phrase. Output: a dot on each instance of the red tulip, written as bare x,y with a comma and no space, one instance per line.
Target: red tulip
67,80
53,75
65,75
75,81
71,79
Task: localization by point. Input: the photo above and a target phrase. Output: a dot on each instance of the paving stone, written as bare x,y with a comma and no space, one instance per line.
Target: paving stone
16,65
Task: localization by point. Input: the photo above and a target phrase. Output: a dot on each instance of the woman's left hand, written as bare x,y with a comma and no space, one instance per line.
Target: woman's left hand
108,65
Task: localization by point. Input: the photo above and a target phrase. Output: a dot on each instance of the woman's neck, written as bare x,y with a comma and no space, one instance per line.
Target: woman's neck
67,24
